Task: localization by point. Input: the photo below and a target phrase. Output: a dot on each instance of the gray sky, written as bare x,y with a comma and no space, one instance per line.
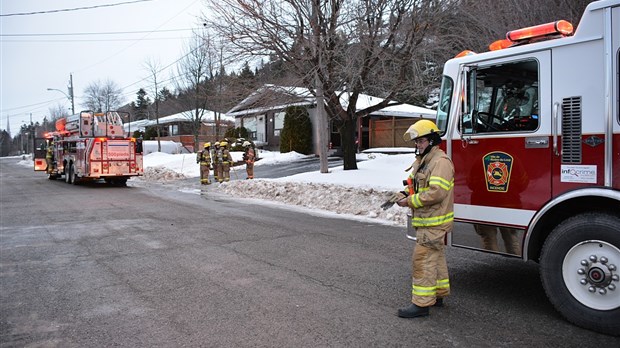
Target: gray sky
32,64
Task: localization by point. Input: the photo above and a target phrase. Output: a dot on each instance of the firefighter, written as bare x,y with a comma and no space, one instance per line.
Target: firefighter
249,157
432,204
49,158
226,163
216,158
204,158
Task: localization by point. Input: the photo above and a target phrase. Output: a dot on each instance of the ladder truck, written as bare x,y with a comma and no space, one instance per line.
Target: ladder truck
90,146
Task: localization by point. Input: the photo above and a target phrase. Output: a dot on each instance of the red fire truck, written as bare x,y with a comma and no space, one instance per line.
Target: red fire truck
533,129
89,146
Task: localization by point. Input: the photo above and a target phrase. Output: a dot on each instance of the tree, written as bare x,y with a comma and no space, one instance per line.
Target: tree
5,143
296,134
476,32
153,68
339,49
193,73
103,96
141,105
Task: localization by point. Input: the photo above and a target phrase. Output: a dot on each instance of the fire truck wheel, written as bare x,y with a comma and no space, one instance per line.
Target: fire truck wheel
580,271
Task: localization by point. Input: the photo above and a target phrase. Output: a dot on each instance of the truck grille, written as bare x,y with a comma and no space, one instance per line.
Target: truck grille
571,130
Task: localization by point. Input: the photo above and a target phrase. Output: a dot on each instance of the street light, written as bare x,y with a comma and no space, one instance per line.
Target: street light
70,95
66,95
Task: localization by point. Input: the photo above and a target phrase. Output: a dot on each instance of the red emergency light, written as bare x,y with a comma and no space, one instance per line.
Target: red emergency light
561,27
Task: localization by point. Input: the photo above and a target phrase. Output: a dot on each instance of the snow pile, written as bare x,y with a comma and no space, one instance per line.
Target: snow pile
357,201
161,174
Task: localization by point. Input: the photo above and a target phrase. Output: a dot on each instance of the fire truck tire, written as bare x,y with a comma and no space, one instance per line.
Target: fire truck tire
580,271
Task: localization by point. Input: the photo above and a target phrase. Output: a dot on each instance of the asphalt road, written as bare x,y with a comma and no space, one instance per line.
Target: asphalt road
99,266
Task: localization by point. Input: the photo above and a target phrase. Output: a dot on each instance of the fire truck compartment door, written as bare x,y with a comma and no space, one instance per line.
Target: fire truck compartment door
40,152
501,151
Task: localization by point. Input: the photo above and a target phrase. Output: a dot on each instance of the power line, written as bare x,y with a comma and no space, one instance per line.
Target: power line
98,33
71,9
96,40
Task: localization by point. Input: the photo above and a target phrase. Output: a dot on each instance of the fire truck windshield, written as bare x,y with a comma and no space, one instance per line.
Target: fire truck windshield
443,109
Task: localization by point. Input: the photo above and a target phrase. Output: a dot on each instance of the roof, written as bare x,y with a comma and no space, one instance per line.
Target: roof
186,116
272,97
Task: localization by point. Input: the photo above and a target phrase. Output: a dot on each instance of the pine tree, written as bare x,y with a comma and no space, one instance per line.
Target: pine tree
141,106
296,134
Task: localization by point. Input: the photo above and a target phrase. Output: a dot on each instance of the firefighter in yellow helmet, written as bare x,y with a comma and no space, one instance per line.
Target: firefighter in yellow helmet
204,158
249,157
431,200
226,163
216,159
49,157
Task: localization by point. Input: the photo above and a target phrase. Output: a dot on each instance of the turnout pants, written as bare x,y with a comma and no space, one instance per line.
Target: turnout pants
204,174
430,271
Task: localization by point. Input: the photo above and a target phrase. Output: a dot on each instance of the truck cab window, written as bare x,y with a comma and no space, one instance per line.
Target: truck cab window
503,98
443,109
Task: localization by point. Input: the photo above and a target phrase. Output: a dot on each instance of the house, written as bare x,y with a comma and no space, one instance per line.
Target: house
262,113
178,127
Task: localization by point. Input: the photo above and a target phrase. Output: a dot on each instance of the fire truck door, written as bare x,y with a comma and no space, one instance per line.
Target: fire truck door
40,153
581,111
501,151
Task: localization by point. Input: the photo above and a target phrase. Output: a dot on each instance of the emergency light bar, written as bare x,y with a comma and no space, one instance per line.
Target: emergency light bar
561,27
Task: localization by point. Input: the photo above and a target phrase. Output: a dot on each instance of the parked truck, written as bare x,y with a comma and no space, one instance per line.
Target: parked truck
89,146
533,130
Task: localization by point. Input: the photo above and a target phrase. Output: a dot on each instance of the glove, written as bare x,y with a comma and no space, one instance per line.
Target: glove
393,199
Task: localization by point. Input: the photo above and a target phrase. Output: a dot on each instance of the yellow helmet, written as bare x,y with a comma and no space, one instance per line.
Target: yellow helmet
420,129
223,143
207,144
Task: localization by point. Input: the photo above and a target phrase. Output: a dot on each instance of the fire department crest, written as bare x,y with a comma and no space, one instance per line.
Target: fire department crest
497,167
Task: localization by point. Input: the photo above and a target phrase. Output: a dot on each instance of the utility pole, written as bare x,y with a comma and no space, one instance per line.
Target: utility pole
71,94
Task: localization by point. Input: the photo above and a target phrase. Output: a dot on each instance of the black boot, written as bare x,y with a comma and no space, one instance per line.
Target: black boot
413,311
438,302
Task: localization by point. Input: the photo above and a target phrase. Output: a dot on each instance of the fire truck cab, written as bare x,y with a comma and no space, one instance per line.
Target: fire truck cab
90,146
533,130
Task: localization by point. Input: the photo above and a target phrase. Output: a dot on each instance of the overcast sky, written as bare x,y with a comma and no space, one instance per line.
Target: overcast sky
33,60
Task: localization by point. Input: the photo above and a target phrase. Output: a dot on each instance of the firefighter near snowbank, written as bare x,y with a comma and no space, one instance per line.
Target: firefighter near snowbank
89,146
533,130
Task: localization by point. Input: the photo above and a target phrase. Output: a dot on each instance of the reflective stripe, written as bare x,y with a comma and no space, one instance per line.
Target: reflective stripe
441,182
432,221
424,290
415,201
443,284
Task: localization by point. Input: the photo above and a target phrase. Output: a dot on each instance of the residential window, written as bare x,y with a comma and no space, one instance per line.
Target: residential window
278,123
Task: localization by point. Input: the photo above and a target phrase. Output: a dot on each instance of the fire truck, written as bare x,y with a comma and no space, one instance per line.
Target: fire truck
533,129
89,146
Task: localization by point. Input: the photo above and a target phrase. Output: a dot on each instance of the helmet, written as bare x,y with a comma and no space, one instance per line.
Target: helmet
246,143
207,144
217,144
223,143
420,129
